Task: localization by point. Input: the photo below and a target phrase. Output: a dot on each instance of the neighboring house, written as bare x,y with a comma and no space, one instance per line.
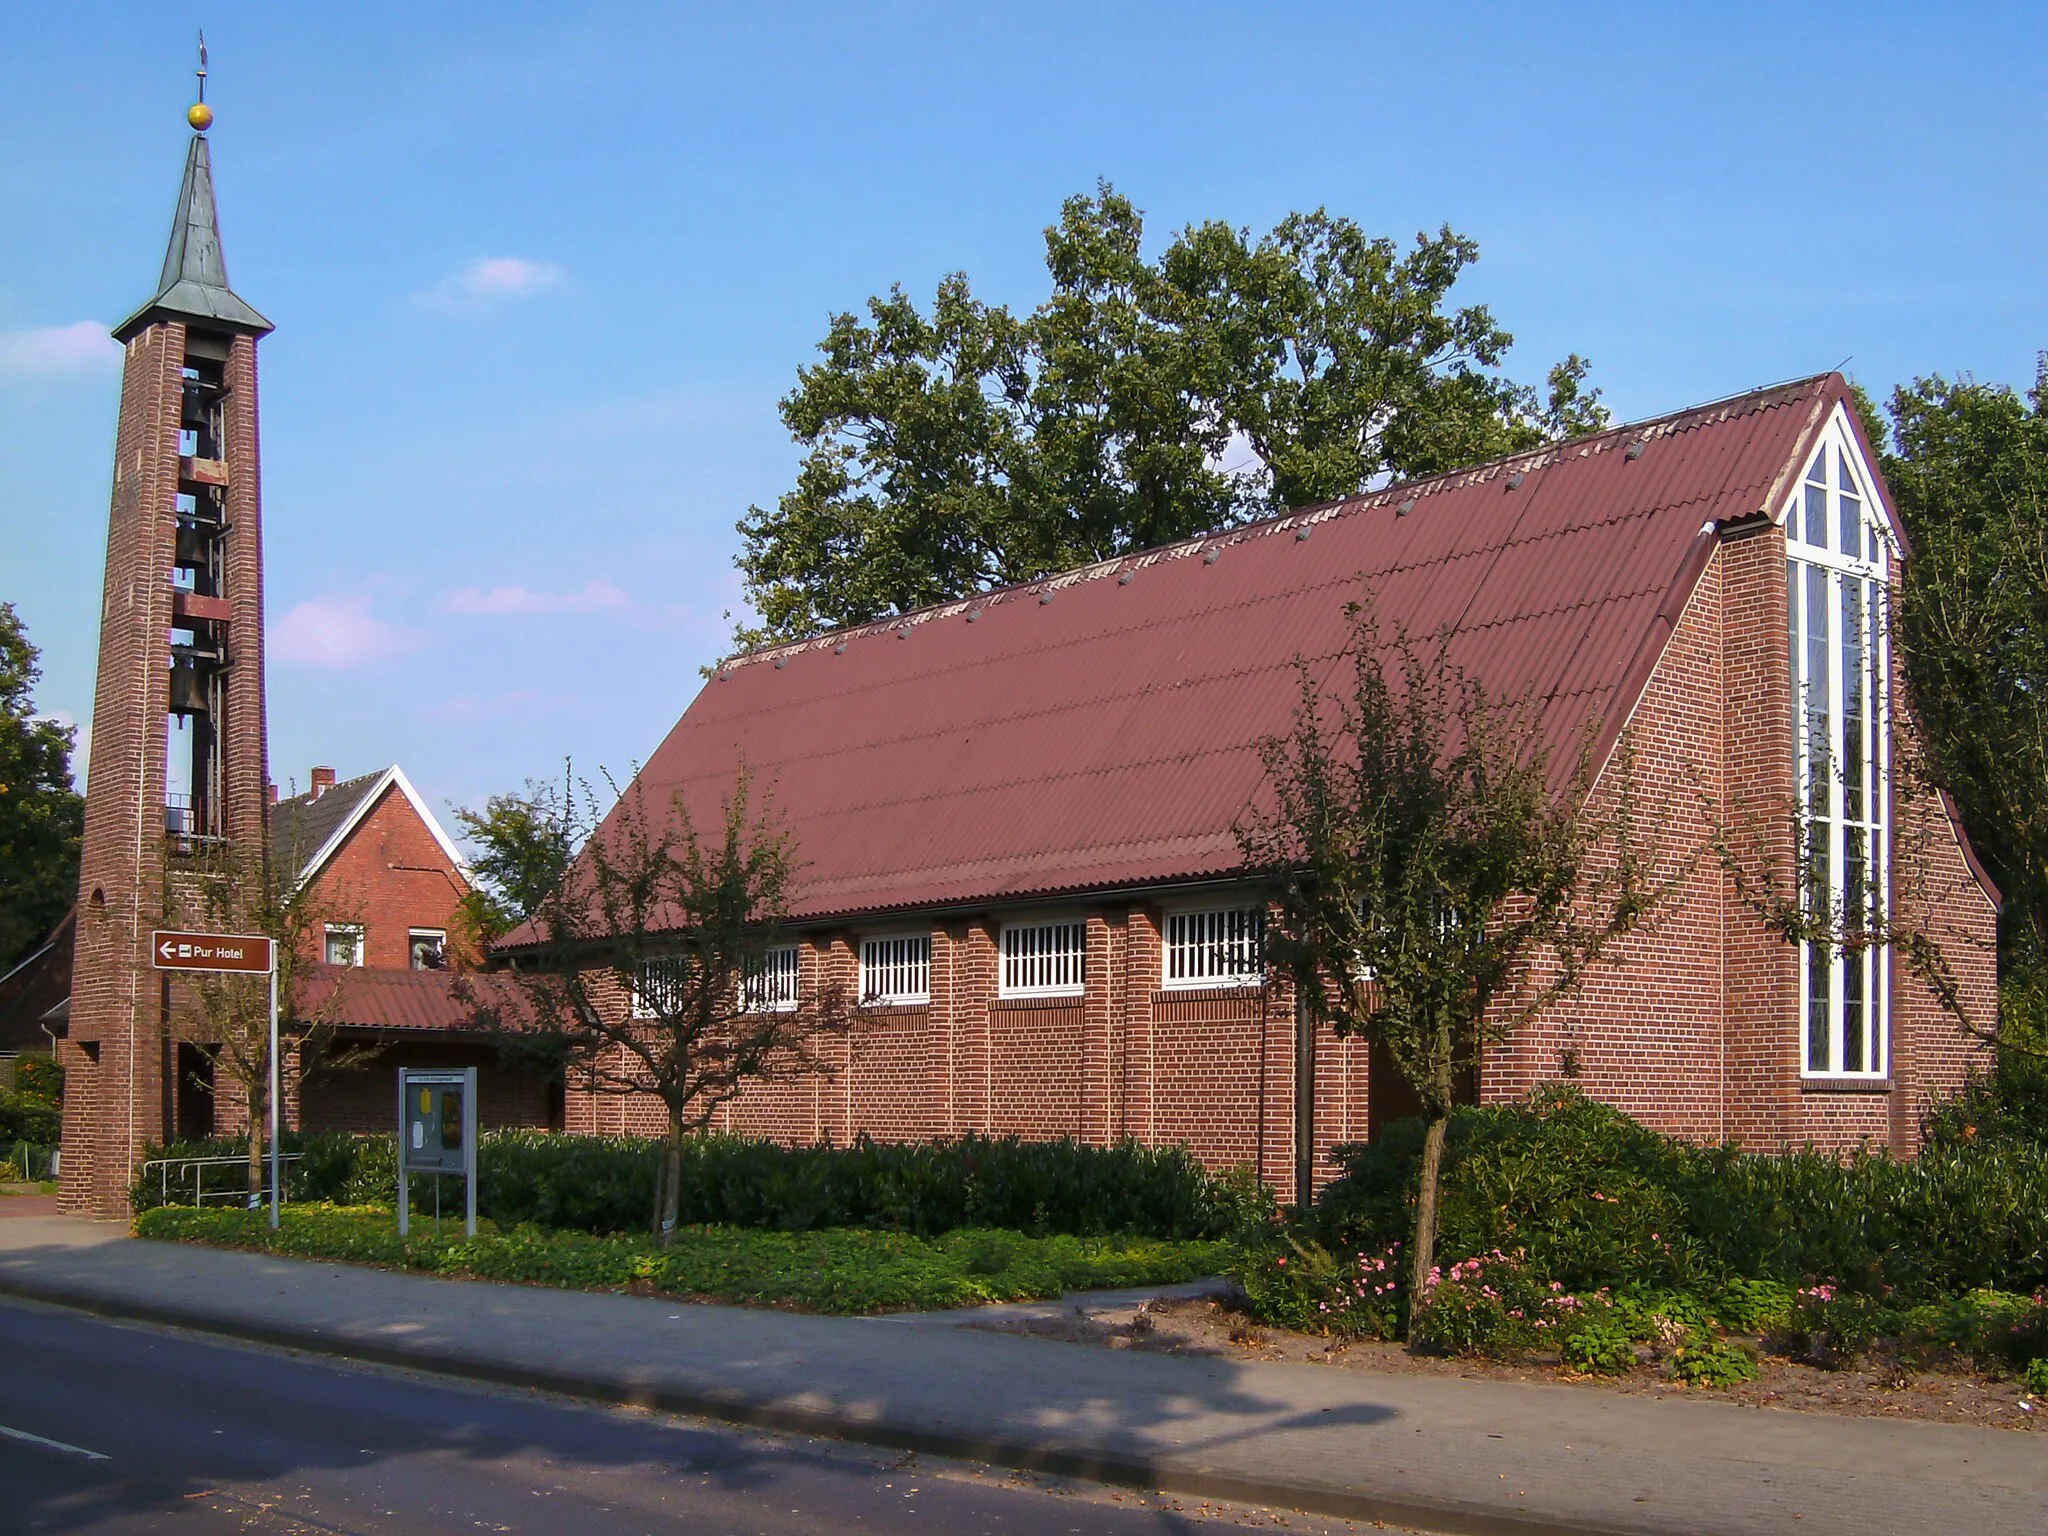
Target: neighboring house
379,864
1015,812
35,998
387,881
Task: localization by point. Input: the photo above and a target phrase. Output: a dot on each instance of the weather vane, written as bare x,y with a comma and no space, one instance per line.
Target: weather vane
201,115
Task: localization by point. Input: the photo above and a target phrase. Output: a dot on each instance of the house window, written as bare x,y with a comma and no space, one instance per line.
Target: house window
771,982
660,987
896,970
344,944
429,948
1043,959
1215,947
1835,596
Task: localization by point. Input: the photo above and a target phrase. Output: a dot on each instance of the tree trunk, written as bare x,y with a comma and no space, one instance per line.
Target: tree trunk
1425,1205
671,1181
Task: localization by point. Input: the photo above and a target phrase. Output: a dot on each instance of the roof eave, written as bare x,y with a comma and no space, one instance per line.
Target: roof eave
189,303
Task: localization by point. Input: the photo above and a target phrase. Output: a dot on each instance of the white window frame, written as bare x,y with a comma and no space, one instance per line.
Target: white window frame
645,977
1843,1007
772,984
438,935
896,970
335,931
1042,957
1194,939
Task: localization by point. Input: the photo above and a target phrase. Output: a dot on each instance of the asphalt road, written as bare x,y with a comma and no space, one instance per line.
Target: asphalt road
113,1428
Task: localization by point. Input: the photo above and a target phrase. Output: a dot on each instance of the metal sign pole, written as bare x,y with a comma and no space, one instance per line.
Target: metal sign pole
276,1092
404,1182
469,1143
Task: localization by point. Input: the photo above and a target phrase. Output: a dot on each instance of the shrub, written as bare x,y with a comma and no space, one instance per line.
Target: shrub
1492,1306
1296,1283
1705,1361
606,1184
2035,1377
1592,1198
1754,1306
39,1082
1833,1326
1601,1347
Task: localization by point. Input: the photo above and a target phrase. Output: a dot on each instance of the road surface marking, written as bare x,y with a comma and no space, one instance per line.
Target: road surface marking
55,1445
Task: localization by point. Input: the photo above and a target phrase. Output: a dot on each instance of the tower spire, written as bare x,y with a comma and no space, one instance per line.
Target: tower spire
194,285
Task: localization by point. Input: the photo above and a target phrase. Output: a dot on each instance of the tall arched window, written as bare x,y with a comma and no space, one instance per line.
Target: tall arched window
1837,547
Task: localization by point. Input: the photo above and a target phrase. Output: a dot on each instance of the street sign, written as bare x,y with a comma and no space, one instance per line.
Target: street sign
245,952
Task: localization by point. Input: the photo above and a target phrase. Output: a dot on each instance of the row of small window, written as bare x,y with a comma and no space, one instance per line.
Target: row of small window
1217,947
1214,947
428,947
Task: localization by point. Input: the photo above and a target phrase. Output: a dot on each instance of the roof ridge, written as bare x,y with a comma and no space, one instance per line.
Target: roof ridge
1314,512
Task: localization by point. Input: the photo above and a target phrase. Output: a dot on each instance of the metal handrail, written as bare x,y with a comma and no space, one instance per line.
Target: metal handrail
199,1165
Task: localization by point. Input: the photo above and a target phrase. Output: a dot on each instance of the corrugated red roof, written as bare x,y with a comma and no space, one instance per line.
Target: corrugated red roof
1009,746
403,1000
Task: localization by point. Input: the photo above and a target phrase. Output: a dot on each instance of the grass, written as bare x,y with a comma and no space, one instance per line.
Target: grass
838,1270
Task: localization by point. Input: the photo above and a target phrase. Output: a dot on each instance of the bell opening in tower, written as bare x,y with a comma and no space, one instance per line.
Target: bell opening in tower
194,728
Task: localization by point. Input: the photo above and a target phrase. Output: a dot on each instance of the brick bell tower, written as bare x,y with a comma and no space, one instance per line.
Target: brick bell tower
179,761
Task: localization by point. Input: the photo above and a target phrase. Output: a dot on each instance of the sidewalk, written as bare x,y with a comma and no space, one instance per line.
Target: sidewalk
1445,1454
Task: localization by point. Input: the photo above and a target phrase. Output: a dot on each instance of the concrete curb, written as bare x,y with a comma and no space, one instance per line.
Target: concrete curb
1449,1517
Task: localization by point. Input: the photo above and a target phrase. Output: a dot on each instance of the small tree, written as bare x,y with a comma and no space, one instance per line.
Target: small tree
523,844
645,970
243,890
1433,890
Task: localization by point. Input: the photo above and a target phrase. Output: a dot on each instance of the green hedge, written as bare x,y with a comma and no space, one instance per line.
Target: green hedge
827,1271
1592,1198
606,1184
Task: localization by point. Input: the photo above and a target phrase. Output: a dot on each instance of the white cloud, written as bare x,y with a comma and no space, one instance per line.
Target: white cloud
81,347
337,633
593,597
489,279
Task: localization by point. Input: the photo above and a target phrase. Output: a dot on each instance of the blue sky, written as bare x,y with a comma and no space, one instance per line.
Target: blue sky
540,274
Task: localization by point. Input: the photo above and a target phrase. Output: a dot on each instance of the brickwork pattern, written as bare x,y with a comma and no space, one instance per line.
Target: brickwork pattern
125,1021
1691,1026
390,877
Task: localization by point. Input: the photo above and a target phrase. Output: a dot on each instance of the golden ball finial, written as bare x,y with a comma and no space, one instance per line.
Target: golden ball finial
200,116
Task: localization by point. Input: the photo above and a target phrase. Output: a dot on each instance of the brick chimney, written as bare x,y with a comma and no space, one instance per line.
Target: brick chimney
323,781
270,793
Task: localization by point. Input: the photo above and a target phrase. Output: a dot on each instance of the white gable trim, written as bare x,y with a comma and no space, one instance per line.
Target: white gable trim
392,776
1836,432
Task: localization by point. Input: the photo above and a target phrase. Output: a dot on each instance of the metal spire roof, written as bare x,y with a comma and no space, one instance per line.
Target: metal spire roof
194,285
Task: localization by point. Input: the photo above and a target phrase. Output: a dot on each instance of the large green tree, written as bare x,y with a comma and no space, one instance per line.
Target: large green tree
41,816
1968,470
1146,400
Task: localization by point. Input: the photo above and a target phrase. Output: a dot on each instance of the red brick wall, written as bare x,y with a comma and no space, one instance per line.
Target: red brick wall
1691,1026
1037,1069
391,876
365,1099
124,1022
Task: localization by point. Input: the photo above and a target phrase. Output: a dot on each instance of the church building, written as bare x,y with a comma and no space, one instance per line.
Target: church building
1015,812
